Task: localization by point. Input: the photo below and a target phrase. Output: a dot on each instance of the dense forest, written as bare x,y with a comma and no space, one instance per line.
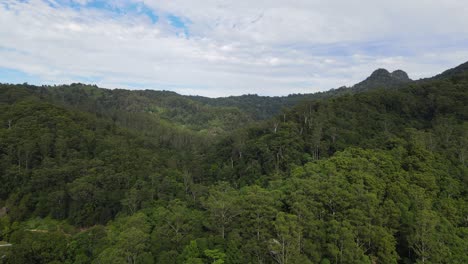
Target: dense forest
375,173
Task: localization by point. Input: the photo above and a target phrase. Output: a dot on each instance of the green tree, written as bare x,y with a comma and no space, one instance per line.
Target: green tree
284,248
223,207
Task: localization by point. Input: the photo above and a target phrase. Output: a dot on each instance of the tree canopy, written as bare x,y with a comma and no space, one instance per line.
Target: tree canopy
89,175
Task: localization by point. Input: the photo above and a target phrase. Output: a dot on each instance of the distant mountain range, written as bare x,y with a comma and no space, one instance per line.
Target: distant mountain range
263,107
199,113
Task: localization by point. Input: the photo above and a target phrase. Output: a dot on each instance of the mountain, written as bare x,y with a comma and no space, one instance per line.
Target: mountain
330,125
457,71
264,107
90,175
381,78
196,113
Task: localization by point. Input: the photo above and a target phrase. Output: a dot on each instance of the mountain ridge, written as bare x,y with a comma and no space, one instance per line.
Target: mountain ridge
256,107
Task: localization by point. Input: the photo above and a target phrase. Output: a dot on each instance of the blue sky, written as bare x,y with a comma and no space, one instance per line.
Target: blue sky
227,47
120,8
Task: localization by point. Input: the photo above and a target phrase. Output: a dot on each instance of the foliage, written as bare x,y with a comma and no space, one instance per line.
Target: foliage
99,176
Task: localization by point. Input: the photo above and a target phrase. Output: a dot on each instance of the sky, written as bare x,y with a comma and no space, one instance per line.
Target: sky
220,48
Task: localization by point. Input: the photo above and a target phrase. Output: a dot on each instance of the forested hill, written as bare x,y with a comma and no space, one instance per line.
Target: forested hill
134,109
317,129
196,113
265,107
111,176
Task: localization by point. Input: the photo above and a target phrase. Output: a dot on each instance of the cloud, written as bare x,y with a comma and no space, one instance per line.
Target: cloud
221,48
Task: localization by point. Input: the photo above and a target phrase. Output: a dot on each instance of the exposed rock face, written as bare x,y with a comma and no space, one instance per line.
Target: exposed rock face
379,73
381,78
400,75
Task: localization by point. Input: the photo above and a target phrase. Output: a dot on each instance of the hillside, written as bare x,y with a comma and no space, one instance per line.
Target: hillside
195,113
376,173
129,108
265,107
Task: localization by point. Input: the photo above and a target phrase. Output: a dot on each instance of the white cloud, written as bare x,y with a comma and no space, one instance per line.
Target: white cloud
234,47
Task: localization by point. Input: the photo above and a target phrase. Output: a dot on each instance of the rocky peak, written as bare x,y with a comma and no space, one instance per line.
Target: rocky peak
400,75
380,73
382,78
